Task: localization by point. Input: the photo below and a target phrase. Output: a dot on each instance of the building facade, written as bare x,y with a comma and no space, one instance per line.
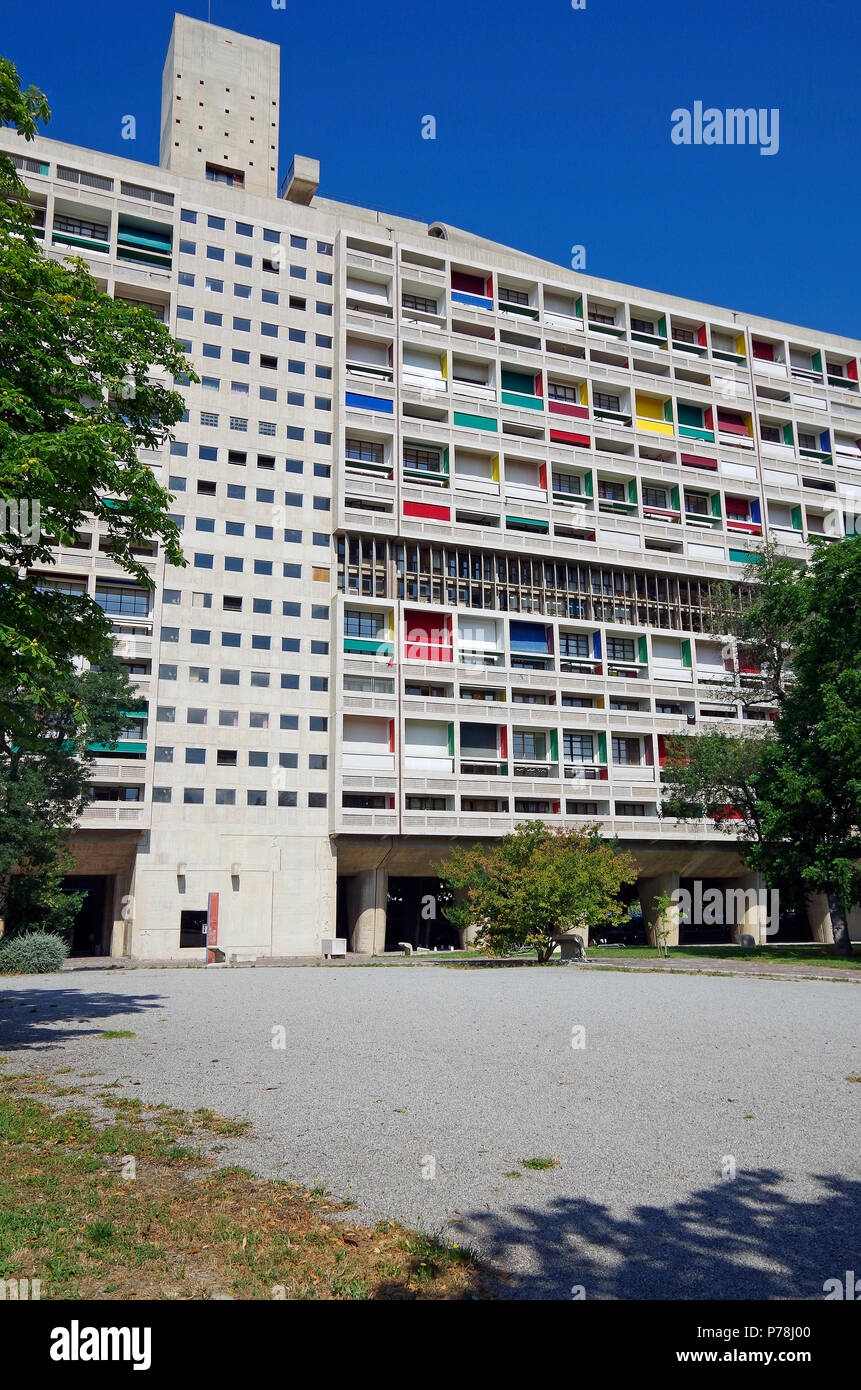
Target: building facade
454,520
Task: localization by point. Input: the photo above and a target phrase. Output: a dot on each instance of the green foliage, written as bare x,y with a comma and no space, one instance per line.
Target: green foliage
661,927
796,786
37,953
42,780
86,383
809,783
521,890
713,774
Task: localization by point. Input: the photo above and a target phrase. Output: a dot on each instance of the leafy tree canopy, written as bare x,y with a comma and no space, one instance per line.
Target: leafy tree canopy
527,887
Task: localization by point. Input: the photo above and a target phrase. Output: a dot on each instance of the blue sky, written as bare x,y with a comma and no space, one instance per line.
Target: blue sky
553,125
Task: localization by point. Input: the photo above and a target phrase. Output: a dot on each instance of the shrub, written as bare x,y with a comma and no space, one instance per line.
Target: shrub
33,953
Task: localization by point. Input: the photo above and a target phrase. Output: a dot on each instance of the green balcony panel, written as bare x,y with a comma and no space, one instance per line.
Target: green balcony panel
475,422
368,646
525,402
122,747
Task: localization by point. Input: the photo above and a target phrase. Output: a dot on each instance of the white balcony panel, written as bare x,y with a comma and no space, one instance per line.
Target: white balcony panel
369,762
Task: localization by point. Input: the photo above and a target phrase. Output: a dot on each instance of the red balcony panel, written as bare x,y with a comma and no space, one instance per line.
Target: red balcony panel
428,510
564,437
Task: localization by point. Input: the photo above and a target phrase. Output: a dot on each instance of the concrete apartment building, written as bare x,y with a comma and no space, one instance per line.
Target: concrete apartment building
453,515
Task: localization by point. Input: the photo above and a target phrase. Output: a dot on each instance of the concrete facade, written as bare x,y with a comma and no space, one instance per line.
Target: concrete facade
454,517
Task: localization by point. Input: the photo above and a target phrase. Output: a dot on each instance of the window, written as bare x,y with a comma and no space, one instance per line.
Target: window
630,808
318,724
317,800
574,644
530,745
286,798
225,796
643,326
122,600
605,401
626,751
611,492
654,497
578,748
620,649
255,798
193,796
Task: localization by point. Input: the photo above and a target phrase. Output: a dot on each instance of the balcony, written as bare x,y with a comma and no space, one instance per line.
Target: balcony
482,767
80,232
148,243
533,768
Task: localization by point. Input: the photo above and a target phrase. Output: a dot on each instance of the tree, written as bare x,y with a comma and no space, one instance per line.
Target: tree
86,383
662,903
792,792
809,782
525,888
43,778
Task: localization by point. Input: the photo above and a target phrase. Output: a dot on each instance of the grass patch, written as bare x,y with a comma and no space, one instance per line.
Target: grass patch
117,1033
540,1165
184,1228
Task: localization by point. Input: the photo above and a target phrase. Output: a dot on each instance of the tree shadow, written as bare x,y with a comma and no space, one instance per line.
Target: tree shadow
744,1238
31,1019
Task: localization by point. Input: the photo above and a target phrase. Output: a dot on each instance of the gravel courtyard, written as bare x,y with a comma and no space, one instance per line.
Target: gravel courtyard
390,1073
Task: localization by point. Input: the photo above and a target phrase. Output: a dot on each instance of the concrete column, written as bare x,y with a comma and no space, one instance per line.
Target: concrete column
749,912
366,903
820,919
120,914
650,888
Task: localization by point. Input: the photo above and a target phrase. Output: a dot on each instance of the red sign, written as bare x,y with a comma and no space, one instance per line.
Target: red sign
211,927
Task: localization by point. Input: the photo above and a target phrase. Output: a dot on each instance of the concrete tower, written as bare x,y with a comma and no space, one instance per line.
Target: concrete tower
219,106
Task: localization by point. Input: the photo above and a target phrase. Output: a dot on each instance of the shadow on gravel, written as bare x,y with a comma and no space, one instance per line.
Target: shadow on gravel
742,1239
24,1014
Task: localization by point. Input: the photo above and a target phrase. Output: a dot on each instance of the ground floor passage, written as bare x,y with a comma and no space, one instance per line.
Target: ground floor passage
165,896
376,912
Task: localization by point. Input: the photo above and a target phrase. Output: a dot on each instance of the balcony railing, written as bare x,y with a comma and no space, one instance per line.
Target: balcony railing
533,768
482,767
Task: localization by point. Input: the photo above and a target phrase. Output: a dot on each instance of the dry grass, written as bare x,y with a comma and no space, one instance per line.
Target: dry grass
184,1228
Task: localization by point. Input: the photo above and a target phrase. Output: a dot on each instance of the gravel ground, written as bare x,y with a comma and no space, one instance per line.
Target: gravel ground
389,1072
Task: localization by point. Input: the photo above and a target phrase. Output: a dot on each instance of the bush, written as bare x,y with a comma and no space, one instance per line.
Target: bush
32,953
